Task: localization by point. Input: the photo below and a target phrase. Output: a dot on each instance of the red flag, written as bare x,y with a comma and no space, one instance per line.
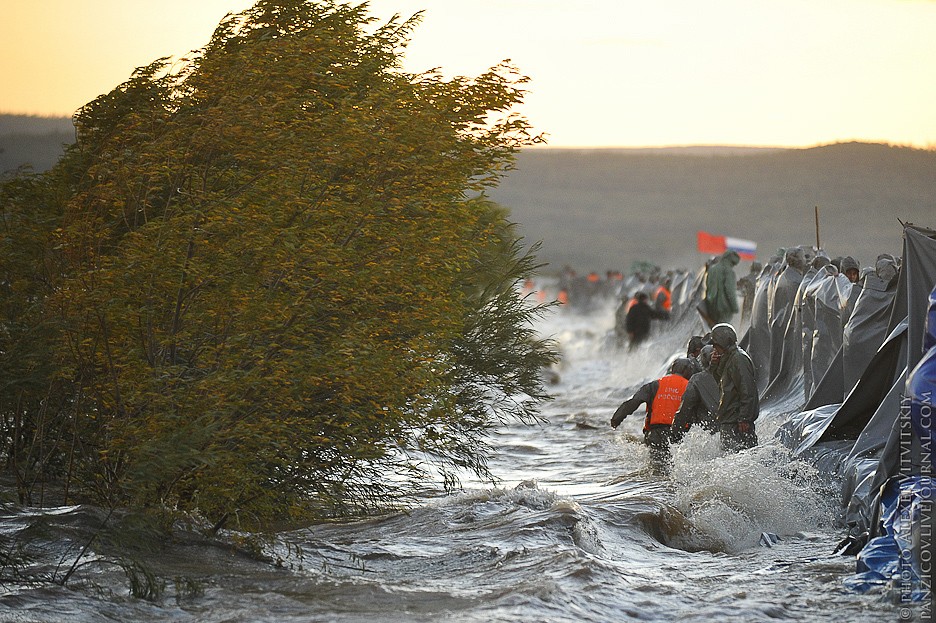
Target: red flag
710,244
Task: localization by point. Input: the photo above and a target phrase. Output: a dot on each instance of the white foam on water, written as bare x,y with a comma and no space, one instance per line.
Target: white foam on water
732,498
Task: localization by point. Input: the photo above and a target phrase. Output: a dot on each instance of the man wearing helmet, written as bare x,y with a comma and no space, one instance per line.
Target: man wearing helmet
738,404
662,397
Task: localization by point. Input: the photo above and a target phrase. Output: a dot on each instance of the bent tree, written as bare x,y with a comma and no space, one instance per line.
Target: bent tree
274,286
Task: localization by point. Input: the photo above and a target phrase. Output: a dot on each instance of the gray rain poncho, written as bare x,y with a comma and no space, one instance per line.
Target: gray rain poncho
758,345
781,305
867,326
807,313
830,295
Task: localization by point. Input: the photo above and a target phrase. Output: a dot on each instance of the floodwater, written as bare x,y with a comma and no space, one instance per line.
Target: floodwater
578,528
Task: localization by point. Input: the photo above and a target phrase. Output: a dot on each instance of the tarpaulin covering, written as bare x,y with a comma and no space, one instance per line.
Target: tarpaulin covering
758,342
829,293
895,557
791,345
782,301
867,327
868,416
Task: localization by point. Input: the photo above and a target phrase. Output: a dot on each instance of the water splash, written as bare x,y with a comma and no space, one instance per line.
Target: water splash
731,499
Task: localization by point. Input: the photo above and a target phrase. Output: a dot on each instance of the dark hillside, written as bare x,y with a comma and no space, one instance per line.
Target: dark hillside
602,209
598,209
37,142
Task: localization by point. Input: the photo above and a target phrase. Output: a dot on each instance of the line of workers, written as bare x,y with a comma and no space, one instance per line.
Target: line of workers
633,317
713,386
591,292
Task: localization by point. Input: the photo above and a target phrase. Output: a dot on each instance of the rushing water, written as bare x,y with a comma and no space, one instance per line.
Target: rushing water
578,529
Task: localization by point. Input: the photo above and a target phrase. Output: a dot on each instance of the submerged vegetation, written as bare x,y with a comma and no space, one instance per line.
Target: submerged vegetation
267,285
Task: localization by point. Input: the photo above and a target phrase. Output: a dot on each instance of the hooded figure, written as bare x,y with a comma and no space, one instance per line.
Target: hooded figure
694,351
739,404
746,286
850,268
781,306
806,314
758,345
830,296
721,297
700,400
866,327
887,268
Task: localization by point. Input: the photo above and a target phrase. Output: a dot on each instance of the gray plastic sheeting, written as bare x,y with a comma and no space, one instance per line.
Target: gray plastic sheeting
867,327
871,390
916,281
758,340
831,388
829,293
857,495
791,343
869,413
802,430
780,309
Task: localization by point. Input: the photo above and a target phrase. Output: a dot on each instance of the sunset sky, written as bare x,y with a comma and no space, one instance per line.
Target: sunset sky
604,72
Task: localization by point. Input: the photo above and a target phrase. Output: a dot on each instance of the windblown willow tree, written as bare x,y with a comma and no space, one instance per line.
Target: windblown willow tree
280,290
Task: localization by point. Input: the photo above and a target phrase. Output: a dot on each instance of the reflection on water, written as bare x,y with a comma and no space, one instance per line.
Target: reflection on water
578,529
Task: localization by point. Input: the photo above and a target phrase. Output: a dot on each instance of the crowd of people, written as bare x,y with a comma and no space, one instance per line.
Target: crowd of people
792,311
718,385
713,387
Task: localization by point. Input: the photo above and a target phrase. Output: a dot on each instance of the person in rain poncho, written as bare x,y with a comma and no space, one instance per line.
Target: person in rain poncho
738,405
700,400
781,307
758,344
746,286
850,268
721,297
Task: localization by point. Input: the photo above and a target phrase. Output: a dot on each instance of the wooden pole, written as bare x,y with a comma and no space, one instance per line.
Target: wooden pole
818,245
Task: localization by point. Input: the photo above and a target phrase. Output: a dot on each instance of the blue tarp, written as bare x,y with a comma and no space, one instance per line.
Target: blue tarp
895,558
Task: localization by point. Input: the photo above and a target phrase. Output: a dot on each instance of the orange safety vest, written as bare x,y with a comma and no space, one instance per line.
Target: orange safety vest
667,400
667,299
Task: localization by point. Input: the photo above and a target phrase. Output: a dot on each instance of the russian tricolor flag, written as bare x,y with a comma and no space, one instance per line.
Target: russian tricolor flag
716,245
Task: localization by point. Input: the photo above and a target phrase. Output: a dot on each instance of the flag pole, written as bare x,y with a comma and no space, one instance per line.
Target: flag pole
818,246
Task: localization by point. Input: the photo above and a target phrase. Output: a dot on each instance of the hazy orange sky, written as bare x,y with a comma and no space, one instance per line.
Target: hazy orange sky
604,72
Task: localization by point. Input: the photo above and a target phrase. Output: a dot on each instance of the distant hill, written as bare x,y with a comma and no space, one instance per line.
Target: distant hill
37,142
600,209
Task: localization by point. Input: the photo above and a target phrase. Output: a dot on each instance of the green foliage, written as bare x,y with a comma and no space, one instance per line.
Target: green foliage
36,427
278,290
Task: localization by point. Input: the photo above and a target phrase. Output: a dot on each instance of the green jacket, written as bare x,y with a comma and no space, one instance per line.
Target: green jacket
739,401
721,294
